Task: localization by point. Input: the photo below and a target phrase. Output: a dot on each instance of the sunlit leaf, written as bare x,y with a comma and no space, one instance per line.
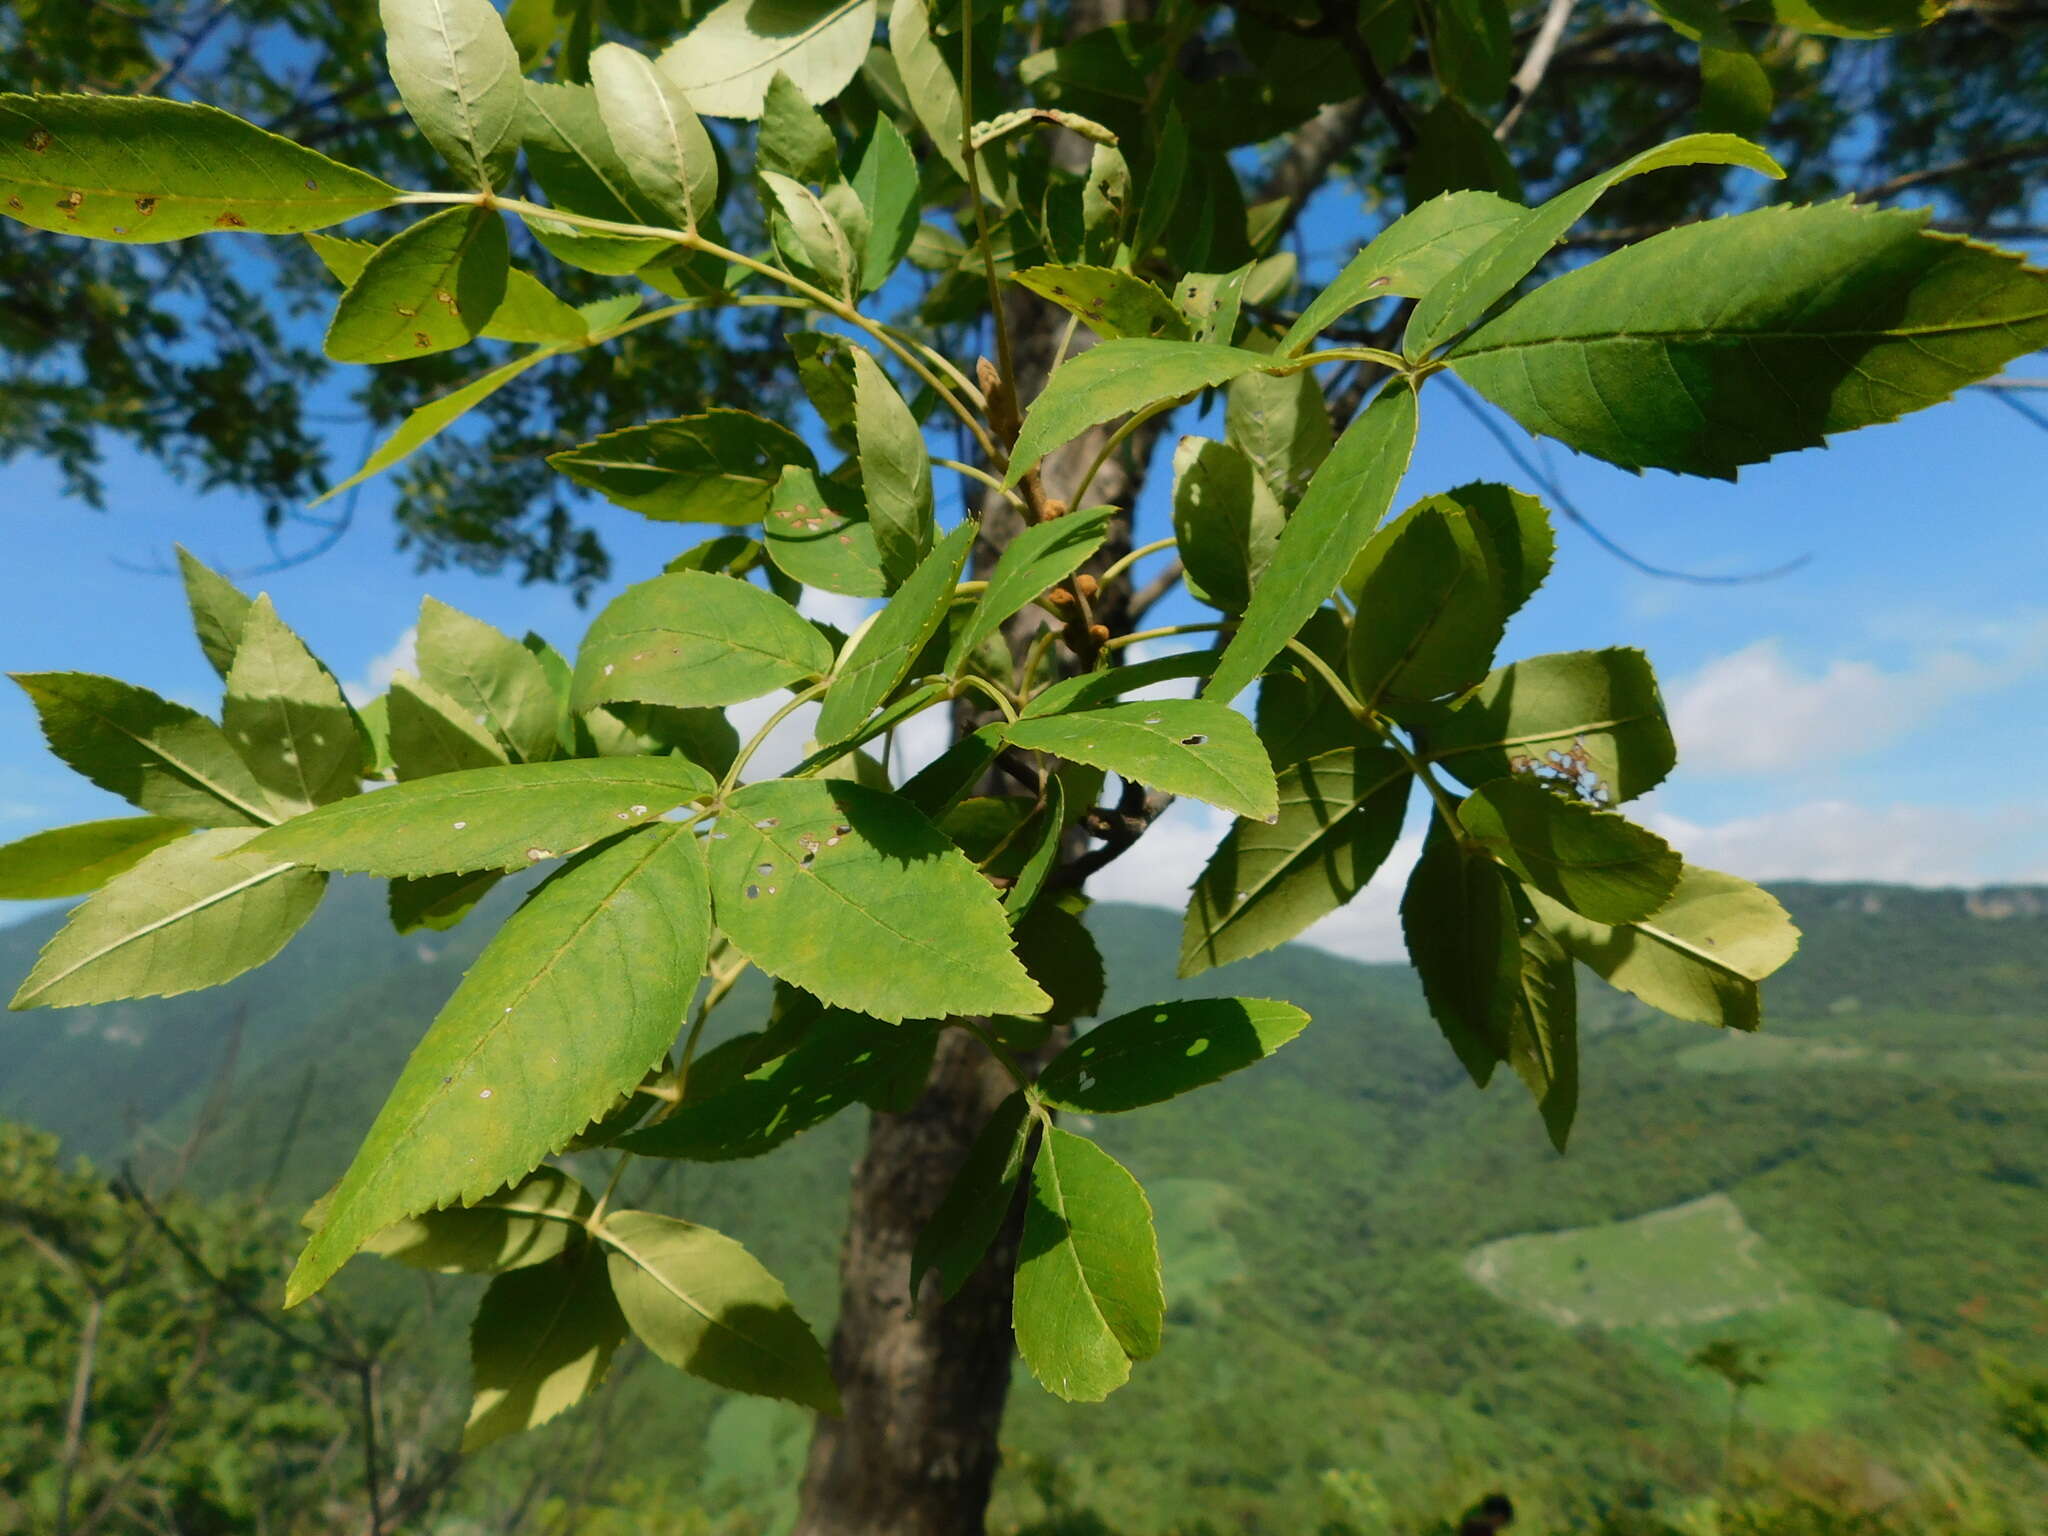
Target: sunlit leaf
1193,747
691,639
431,288
1161,1051
457,71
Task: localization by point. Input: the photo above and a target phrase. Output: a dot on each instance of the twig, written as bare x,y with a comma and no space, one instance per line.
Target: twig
1536,65
2028,149
74,1412
1143,599
1556,492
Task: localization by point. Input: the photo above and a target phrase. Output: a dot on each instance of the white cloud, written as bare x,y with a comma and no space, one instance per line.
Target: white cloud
1757,712
402,657
1899,844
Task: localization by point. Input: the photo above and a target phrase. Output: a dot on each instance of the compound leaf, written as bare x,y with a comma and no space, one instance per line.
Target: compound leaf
516,1064
1159,1052
489,818
705,1305
143,168
694,639
850,894
1089,1299
193,913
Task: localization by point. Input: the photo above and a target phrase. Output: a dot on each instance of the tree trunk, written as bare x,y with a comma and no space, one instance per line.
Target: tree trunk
916,1452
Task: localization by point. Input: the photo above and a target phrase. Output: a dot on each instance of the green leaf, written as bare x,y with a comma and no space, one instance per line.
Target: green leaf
1193,747
77,860
285,714
725,63
1032,851
516,1064
881,658
1226,521
490,677
1596,862
542,1342
1062,957
663,147
429,421
143,168
850,894
895,469
489,818
1543,1031
1429,612
811,241
1787,325
218,610
1455,151
430,734
158,756
1345,501
719,467
1212,302
194,913
1699,957
1340,815
928,82
1593,719
529,312
1735,90
1113,378
1406,259
886,183
843,1058
1089,1299
525,1224
1159,1052
795,141
579,168
959,1232
1515,529
1470,47
1855,18
437,902
1090,689
375,720
1459,921
817,531
1034,560
705,1305
428,289
457,71
1490,273
1112,303
1281,423
941,784
693,639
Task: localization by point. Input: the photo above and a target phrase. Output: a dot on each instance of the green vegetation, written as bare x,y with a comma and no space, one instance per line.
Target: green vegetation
1870,1232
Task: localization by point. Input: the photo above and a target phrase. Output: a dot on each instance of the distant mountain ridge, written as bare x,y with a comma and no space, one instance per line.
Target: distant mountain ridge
1368,1263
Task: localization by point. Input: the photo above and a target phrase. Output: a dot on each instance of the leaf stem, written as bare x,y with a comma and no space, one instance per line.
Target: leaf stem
1385,359
1135,636
997,1049
973,472
1446,806
1116,441
984,686
689,239
596,1216
1116,570
796,702
1006,362
1345,696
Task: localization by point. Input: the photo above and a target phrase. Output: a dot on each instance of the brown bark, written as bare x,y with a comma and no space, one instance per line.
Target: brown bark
916,1452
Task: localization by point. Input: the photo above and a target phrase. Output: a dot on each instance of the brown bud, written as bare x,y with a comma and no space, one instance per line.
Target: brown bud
1054,507
1058,597
1086,585
1099,633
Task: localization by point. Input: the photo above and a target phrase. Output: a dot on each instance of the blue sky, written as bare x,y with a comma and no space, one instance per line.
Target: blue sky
1876,713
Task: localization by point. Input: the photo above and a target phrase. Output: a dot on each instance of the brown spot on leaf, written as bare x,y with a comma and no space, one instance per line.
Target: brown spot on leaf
231,220
422,339
14,202
39,139
70,200
145,206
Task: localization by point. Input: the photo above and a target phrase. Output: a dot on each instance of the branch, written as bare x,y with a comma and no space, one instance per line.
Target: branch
1153,590
2028,149
1536,65
1556,492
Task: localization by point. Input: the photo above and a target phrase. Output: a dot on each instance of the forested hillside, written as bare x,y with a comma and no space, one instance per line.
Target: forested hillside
1387,1294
